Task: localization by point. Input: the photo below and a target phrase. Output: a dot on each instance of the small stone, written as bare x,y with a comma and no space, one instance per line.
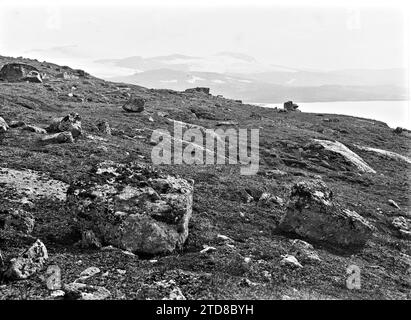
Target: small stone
224,238
89,240
393,204
104,127
81,291
89,272
3,125
208,249
17,124
247,283
34,129
57,294
290,260
62,137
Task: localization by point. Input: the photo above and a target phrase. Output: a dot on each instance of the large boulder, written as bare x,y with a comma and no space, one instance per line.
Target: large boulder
290,106
312,214
134,104
3,125
17,72
28,263
133,207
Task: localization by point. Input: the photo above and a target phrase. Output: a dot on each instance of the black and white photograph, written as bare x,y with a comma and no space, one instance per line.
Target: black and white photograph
221,151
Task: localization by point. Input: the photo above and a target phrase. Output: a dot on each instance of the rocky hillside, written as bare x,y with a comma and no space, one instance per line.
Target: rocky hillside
80,199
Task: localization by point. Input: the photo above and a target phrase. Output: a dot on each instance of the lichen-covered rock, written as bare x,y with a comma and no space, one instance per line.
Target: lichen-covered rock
312,214
62,137
133,207
28,263
17,219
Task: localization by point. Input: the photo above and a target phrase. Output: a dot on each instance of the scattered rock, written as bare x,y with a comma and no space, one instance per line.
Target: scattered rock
304,251
133,207
72,124
28,263
385,153
81,291
135,104
174,293
1,261
403,226
267,199
34,129
17,219
3,125
208,249
226,123
245,196
224,238
104,128
393,204
121,271
89,240
244,282
198,89
57,294
399,130
312,214
289,260
17,124
62,137
89,272
275,173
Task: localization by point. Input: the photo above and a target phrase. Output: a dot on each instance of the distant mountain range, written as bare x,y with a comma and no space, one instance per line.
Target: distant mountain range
239,76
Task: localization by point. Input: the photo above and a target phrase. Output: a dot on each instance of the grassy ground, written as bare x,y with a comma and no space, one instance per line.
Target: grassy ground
218,205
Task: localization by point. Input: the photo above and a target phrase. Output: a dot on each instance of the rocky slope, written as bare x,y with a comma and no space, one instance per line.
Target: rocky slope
75,172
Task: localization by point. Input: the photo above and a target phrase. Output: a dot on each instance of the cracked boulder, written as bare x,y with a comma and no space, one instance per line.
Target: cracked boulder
133,207
312,214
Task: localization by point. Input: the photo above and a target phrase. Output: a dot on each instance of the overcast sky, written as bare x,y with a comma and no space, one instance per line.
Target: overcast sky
307,38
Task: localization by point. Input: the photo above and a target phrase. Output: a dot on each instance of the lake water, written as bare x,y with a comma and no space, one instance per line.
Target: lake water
393,113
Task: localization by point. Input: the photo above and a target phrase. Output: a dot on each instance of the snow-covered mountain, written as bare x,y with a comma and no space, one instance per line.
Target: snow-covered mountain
242,76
